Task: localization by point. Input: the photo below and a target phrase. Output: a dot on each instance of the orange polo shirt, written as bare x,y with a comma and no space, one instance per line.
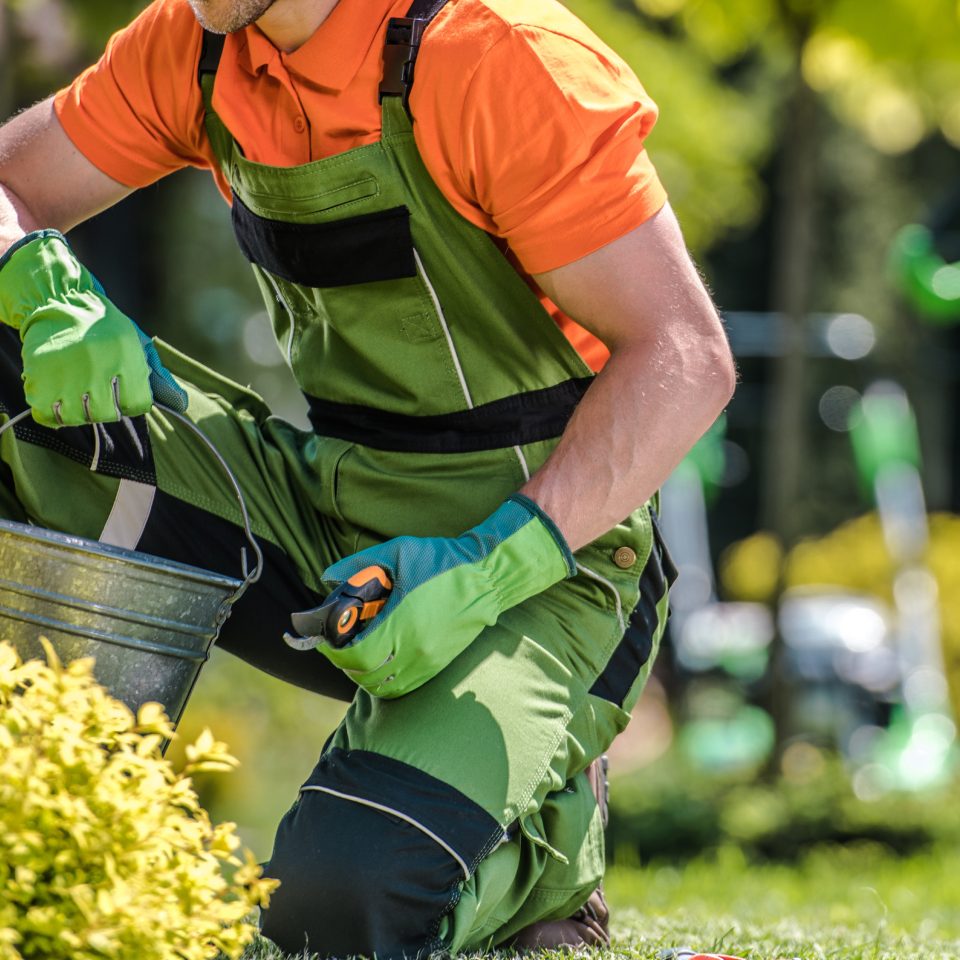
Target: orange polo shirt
531,127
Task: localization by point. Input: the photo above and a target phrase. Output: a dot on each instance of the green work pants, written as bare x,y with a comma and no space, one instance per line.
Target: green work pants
446,819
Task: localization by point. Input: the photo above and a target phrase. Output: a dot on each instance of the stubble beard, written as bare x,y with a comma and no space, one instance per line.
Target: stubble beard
228,16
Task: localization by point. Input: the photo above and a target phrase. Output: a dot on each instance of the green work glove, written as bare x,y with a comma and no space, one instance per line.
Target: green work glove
83,360
445,591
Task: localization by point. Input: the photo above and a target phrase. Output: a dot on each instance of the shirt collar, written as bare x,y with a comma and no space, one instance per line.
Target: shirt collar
332,57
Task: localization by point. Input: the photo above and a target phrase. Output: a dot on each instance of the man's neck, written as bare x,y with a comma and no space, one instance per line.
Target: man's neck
289,24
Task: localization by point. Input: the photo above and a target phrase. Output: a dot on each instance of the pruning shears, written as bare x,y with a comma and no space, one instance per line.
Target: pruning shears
348,610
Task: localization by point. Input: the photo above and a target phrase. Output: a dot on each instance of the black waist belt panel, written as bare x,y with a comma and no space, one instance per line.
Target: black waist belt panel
522,418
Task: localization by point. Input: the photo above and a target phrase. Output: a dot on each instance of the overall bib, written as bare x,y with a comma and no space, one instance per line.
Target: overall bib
454,816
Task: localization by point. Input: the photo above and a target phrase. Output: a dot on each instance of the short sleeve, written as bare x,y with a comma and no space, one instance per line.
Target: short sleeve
137,114
548,148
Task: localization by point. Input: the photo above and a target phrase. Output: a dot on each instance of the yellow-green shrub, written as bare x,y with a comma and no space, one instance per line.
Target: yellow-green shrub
105,851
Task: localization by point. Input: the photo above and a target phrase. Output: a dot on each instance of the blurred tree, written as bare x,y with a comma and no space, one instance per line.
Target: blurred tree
891,70
735,77
716,124
43,41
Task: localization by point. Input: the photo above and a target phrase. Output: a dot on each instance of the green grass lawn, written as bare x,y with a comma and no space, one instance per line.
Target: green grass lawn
834,903
844,903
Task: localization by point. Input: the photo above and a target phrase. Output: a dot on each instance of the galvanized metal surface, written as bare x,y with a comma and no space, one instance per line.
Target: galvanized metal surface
148,623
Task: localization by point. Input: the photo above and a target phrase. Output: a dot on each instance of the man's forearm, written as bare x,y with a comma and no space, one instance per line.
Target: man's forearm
646,409
669,376
45,181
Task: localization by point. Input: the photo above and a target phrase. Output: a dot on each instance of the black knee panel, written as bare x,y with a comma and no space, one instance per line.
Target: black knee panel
355,880
370,858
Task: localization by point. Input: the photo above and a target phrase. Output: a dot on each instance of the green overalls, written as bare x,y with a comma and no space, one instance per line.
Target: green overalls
454,816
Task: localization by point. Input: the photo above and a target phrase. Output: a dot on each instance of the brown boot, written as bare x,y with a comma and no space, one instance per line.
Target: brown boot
590,925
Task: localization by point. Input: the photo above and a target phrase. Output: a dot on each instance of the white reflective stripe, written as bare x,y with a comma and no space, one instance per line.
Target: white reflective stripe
616,594
523,462
453,353
129,515
286,306
95,462
446,329
396,813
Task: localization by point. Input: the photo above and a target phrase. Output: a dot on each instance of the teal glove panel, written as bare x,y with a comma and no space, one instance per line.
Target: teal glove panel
84,361
165,389
446,591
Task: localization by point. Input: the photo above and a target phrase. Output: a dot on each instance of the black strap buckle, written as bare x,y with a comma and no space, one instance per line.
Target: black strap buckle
399,56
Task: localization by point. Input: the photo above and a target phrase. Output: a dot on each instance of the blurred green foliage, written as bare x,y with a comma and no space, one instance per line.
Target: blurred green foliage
713,134
855,557
890,68
671,811
720,71
44,42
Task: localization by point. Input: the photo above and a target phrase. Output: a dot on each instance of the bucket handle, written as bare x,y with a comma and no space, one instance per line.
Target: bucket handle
249,576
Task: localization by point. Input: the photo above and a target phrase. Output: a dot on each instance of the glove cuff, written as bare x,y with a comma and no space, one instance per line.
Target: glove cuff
30,271
26,240
533,507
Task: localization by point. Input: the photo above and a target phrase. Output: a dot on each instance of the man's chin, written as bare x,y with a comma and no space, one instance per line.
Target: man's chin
228,16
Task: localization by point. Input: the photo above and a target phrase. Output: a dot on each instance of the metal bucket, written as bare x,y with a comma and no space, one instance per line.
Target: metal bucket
148,623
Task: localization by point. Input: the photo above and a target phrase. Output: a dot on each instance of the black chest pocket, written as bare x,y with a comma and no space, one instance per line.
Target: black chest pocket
361,249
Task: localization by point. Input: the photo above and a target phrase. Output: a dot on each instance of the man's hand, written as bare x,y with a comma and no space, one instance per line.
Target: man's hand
83,360
445,592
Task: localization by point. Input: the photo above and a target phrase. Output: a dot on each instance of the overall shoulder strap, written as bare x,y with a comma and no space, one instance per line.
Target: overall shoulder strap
401,47
211,49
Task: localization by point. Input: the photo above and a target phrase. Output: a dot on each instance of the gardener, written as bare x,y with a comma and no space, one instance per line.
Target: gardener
410,247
